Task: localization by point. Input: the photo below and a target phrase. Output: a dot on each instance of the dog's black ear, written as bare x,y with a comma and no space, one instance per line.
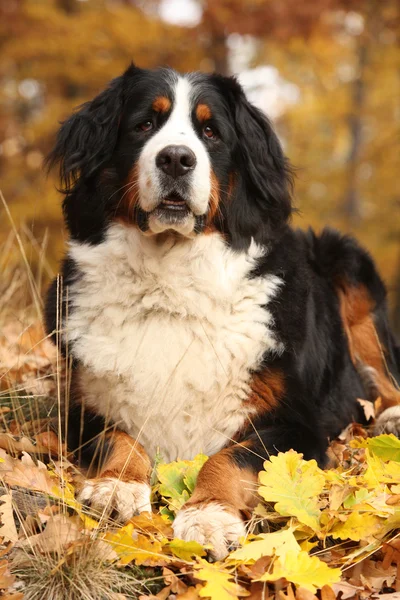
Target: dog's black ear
87,139
261,203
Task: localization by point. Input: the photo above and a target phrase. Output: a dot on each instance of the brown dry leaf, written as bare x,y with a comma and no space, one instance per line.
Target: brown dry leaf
337,454
289,594
192,593
346,589
36,426
60,531
42,443
391,551
49,440
302,594
13,596
368,408
353,430
6,578
26,354
177,585
8,530
258,568
327,593
25,473
374,576
12,445
259,591
162,595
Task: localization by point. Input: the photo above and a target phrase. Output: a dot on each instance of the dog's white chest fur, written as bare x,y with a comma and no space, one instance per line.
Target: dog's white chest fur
167,335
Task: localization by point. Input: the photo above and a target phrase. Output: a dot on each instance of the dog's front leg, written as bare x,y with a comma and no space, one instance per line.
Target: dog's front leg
122,488
224,497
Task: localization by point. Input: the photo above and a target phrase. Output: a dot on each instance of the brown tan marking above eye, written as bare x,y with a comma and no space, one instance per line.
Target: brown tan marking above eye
203,113
161,104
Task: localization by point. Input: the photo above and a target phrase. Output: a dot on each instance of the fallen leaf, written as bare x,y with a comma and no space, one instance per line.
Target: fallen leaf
185,550
368,408
152,523
177,586
278,543
192,593
294,484
60,531
303,570
385,446
357,526
26,473
327,593
303,594
218,583
131,546
177,480
7,579
8,530
375,576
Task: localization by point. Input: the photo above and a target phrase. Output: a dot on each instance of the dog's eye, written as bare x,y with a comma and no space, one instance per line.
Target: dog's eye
208,132
145,126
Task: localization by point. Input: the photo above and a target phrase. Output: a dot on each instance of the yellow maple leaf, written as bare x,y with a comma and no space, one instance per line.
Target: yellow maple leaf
303,570
218,582
130,546
294,484
358,526
278,543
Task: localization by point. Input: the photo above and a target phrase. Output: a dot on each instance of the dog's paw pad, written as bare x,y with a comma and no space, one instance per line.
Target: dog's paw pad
119,500
388,421
210,524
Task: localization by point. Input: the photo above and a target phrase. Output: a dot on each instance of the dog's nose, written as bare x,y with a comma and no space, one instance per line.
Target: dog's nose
176,161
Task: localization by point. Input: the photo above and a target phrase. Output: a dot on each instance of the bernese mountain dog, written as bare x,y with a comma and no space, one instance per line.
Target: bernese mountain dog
197,319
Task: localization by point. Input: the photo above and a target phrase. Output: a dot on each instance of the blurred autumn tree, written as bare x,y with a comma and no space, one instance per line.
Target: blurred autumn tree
342,57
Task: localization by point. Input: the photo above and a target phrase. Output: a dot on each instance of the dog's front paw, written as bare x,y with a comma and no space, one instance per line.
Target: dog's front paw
119,500
211,524
388,421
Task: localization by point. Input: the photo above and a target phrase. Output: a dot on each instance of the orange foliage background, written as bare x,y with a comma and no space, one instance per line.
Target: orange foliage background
340,57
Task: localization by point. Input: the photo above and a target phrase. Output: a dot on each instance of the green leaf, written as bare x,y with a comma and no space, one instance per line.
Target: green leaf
294,484
177,480
193,470
387,447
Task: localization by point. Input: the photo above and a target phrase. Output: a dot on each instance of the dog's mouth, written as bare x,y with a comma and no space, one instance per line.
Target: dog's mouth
175,202
172,208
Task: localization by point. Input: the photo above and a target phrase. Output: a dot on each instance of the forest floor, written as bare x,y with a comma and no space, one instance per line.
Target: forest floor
315,534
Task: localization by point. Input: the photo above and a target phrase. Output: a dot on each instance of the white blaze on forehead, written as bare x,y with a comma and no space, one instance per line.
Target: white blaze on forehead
178,130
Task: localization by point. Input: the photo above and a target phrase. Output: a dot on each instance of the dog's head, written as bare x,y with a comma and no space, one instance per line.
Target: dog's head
167,152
